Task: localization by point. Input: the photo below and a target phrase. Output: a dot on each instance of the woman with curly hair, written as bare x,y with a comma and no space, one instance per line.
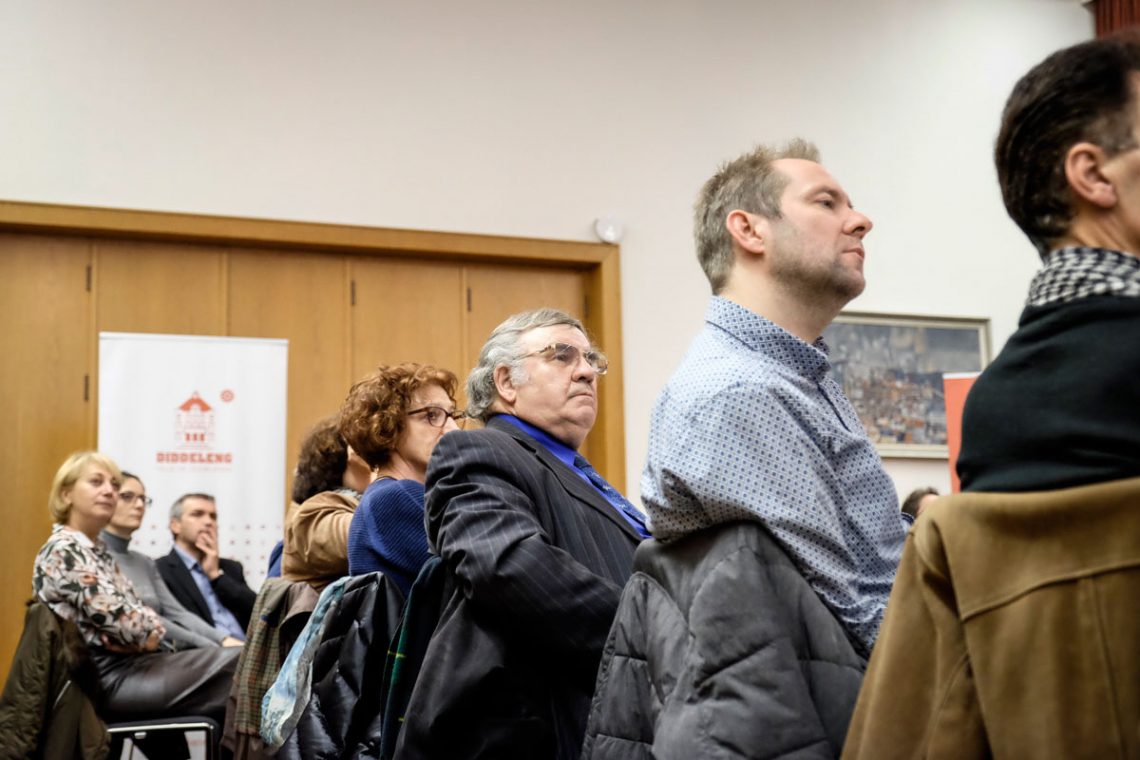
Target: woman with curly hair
327,486
393,419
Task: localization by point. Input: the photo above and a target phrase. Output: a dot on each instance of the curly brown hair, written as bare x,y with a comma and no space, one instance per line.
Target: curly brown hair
323,459
374,413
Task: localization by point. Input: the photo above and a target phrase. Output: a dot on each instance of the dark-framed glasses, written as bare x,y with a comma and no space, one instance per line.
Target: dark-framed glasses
130,497
437,416
568,355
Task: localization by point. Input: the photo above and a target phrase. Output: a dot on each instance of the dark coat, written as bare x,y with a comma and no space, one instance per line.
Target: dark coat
343,717
47,709
231,588
536,559
720,648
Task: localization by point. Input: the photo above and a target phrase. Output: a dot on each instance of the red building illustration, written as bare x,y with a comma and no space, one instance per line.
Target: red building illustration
194,424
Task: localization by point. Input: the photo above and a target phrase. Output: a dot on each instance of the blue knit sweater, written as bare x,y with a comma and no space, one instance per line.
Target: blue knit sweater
387,532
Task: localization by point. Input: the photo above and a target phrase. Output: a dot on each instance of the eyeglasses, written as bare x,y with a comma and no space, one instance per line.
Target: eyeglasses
568,355
437,416
130,497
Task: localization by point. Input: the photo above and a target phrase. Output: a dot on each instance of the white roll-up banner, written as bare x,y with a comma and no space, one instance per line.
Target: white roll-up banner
200,414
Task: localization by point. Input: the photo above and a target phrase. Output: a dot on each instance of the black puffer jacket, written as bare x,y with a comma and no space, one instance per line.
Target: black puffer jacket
720,648
343,716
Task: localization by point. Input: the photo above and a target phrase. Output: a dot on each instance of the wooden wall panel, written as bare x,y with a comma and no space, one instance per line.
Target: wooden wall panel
156,287
407,311
46,341
304,299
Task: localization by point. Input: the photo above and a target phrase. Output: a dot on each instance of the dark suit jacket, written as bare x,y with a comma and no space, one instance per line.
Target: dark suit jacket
230,586
537,559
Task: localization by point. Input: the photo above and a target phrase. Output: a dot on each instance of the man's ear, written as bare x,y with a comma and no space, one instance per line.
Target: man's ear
176,528
1085,172
748,230
505,385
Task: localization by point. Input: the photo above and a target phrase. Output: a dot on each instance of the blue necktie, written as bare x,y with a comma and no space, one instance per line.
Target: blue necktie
630,512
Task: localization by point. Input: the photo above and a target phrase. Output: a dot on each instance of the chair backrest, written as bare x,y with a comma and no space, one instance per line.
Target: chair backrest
170,739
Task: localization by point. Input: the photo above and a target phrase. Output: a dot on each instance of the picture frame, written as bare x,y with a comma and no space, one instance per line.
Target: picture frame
891,365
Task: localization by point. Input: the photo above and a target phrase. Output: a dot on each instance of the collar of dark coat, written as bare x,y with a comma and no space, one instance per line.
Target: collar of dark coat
573,484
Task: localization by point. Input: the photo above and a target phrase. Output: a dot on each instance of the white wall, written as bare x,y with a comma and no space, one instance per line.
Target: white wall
532,118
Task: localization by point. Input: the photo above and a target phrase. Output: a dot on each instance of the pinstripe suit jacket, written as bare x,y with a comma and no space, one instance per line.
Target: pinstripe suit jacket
537,560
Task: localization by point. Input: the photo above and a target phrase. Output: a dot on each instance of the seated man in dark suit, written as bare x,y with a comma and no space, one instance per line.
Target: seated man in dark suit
209,586
536,545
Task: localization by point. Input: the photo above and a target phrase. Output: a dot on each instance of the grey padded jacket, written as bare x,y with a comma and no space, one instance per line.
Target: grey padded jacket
720,648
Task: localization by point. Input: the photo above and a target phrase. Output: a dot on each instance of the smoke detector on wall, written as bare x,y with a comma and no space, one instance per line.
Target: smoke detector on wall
609,229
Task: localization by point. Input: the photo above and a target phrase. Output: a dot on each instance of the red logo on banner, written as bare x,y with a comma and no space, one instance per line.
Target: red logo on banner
227,395
194,432
194,424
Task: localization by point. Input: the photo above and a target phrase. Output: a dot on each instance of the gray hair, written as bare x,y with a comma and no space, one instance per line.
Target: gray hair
502,349
176,508
748,183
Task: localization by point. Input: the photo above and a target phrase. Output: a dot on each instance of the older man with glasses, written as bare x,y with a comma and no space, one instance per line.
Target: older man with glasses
536,547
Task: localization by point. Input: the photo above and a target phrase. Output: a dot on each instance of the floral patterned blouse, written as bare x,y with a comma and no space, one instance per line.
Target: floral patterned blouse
79,580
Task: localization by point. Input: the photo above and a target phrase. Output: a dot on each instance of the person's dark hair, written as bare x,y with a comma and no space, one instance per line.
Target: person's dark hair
374,413
911,502
1084,93
322,461
131,476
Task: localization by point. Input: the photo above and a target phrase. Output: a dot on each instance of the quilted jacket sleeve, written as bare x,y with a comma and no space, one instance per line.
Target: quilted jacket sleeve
722,652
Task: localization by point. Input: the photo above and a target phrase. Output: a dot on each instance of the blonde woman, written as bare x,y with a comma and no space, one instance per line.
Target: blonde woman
78,579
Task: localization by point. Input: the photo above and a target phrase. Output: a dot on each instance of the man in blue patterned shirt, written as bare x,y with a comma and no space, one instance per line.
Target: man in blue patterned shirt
751,426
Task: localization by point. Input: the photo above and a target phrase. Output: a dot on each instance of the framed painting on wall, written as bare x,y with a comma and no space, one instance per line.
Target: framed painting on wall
891,367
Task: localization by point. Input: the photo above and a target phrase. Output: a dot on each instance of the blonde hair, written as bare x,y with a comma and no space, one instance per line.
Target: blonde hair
67,475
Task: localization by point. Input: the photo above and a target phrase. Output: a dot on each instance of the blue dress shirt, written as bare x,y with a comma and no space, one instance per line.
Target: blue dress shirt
751,426
569,457
224,620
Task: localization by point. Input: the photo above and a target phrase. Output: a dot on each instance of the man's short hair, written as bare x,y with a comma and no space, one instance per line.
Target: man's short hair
748,183
176,508
914,499
1083,93
502,348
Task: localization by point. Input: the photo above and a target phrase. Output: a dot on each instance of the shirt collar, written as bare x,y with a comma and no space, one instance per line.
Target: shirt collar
77,535
766,337
560,450
187,560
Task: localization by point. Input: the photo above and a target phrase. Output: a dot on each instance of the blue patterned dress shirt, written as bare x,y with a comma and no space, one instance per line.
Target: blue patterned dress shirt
752,427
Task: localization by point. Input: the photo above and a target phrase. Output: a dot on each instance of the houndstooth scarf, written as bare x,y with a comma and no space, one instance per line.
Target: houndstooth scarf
1076,272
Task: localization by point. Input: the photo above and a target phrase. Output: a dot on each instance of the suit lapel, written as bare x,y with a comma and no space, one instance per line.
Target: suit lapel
189,587
574,485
